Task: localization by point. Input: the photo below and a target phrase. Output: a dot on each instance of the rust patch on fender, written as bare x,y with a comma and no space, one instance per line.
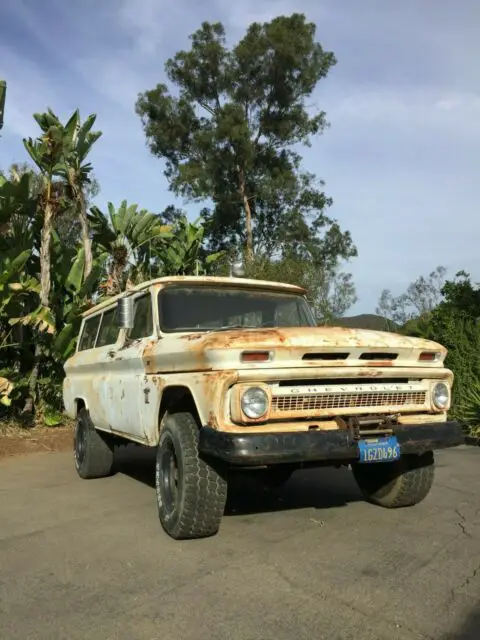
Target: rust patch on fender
212,420
212,388
148,355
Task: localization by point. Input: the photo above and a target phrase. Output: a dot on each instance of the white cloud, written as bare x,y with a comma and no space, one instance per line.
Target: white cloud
29,89
114,78
146,21
435,109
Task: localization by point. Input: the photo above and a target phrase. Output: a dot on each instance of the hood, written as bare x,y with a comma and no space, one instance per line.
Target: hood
290,348
307,338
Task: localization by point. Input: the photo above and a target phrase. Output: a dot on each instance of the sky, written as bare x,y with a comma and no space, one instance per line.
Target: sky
400,158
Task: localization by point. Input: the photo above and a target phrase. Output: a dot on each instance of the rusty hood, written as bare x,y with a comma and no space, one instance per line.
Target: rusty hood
289,347
322,338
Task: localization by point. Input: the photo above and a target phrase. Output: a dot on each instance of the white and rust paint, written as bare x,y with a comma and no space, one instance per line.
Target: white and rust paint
123,385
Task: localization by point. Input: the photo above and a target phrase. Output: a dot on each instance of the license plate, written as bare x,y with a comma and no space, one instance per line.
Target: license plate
379,449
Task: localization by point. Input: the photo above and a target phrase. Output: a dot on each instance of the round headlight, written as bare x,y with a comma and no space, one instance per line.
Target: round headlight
254,402
441,395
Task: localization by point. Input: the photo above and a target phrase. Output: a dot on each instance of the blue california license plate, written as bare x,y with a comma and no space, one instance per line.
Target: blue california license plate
379,449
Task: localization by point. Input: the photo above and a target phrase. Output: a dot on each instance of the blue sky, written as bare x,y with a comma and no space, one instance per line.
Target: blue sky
400,158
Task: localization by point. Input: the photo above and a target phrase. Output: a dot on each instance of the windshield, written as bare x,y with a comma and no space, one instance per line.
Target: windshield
200,308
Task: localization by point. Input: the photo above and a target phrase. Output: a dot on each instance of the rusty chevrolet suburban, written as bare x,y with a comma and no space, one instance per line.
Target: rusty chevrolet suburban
228,373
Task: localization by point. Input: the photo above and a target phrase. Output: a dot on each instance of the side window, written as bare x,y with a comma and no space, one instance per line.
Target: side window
108,329
89,333
143,320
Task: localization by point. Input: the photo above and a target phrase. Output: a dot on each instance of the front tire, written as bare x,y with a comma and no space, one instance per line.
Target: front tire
93,450
402,483
191,493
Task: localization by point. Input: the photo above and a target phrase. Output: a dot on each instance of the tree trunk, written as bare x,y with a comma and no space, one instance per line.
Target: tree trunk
248,214
45,276
45,287
87,245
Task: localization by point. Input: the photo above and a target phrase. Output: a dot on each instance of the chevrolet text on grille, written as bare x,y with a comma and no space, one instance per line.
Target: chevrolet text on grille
364,388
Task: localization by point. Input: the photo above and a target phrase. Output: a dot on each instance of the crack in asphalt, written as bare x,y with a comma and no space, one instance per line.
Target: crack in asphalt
462,523
462,585
469,578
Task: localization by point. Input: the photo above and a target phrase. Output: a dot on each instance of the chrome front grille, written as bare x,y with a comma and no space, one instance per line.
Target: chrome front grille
358,400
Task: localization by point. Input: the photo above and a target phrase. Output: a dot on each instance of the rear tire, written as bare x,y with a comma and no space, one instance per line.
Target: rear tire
191,493
93,450
402,483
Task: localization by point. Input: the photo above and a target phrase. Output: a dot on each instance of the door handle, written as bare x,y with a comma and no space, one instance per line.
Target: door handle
111,354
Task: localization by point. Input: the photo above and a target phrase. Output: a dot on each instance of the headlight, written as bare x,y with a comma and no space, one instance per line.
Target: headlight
254,402
441,395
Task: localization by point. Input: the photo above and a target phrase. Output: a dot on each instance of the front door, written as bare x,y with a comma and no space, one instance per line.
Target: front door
123,389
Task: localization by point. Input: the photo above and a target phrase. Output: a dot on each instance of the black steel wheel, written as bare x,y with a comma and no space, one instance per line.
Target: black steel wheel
191,492
169,475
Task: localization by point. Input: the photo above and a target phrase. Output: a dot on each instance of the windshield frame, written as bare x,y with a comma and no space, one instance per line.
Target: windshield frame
305,307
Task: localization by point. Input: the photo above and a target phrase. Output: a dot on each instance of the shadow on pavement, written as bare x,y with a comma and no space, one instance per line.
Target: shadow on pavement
321,488
137,463
470,630
318,488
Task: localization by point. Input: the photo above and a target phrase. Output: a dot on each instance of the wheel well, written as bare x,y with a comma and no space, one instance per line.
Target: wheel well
79,405
176,399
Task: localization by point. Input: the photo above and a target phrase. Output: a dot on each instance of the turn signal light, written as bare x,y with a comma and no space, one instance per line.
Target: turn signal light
429,356
255,356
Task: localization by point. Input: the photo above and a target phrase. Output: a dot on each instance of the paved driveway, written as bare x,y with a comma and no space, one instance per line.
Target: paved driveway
88,559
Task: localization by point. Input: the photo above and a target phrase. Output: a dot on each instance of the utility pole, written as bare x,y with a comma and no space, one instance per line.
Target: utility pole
3,93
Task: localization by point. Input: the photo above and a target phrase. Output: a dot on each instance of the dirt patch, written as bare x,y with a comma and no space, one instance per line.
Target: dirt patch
16,441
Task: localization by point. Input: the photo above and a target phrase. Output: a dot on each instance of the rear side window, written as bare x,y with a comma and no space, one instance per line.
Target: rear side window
108,329
89,333
143,320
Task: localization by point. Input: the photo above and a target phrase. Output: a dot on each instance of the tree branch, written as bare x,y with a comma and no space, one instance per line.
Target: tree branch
207,108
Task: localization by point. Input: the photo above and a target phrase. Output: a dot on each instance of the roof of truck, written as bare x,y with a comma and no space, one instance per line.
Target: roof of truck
202,280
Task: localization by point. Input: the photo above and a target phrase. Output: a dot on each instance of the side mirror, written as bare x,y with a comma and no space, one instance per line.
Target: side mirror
125,313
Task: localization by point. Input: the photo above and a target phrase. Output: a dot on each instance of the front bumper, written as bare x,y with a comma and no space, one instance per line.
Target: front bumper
252,449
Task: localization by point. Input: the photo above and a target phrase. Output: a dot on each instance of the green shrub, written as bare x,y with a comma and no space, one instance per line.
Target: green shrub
459,333
469,408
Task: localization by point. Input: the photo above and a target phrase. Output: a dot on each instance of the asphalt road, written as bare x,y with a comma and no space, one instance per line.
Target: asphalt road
88,559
